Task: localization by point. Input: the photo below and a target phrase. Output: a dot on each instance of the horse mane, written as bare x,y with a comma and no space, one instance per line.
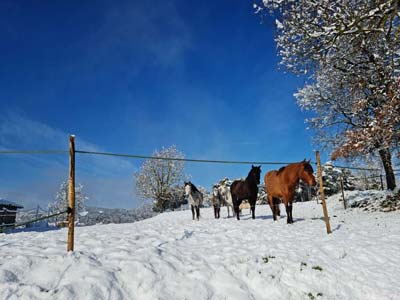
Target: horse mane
306,164
280,170
253,171
194,188
308,167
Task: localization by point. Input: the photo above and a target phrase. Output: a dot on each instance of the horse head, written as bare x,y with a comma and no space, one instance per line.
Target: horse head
255,173
307,173
215,190
188,188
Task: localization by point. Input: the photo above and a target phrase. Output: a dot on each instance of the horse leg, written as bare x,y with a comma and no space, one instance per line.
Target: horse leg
276,204
253,208
272,206
289,202
287,206
192,212
236,208
218,211
215,212
198,212
290,210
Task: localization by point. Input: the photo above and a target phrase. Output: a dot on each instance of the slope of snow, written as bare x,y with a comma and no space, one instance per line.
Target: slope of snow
172,257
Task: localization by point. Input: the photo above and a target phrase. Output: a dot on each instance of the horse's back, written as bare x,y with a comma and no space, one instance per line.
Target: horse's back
271,180
271,176
235,187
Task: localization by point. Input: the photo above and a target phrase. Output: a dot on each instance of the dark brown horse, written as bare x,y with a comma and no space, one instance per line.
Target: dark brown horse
281,185
246,189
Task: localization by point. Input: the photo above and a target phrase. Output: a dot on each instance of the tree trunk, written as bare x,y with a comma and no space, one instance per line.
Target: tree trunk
386,158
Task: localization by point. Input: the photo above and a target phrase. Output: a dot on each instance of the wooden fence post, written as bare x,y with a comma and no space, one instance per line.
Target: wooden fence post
321,190
71,194
341,186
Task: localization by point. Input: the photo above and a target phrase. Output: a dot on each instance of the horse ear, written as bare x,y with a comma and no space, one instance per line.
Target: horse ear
309,161
252,166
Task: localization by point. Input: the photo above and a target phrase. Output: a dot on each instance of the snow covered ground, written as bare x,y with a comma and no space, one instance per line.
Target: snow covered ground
172,257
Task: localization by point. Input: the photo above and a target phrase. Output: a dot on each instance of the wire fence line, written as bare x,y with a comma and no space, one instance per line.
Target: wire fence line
183,159
5,227
34,152
135,156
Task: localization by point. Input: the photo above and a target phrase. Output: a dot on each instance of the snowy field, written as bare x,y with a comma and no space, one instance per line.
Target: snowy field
172,257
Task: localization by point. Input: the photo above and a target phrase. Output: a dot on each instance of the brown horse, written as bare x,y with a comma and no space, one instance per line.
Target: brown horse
281,185
246,189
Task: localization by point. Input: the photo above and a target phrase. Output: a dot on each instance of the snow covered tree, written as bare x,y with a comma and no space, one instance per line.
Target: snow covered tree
157,177
350,182
61,200
352,51
331,178
177,197
206,196
304,192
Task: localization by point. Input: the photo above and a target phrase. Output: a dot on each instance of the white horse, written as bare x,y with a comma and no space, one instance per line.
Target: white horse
195,199
216,201
225,193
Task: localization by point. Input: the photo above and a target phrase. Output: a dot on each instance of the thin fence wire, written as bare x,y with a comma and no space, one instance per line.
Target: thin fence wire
5,227
183,159
363,178
171,158
34,152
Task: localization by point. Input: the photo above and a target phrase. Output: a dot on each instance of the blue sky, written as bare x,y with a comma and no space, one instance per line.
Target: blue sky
131,77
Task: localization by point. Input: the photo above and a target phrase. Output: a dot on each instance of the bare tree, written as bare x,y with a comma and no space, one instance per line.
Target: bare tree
157,177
